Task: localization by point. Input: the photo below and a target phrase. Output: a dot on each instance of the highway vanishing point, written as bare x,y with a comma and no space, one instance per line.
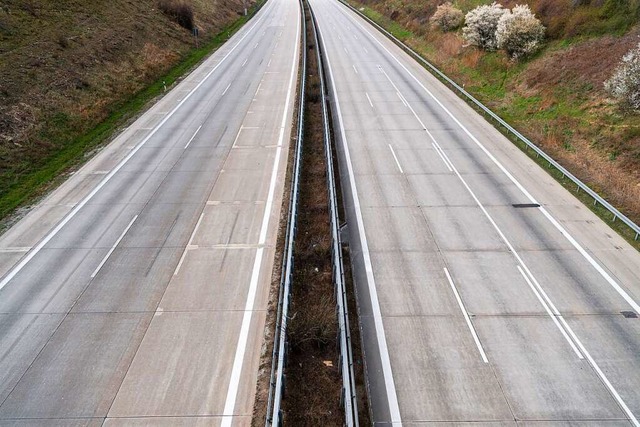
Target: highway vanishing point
136,293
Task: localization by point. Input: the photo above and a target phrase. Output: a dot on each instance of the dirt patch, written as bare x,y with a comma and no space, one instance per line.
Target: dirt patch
590,61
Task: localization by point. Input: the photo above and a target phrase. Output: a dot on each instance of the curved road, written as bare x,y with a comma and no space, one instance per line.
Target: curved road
476,304
136,293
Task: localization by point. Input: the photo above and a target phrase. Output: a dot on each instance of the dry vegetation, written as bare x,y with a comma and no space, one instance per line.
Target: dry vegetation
312,396
66,65
557,97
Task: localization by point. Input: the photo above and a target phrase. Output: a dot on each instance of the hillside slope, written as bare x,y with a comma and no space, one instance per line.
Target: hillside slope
66,65
556,98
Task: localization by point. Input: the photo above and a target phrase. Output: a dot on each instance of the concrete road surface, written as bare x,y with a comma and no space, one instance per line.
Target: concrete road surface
476,305
135,294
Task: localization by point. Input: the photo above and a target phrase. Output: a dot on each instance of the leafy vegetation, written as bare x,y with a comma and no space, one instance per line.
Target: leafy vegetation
481,24
519,32
557,96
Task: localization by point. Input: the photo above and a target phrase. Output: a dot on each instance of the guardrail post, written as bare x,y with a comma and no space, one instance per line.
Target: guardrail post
477,105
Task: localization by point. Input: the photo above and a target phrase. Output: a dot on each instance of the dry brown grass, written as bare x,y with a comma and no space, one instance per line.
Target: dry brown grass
451,44
66,65
312,396
179,11
557,98
471,57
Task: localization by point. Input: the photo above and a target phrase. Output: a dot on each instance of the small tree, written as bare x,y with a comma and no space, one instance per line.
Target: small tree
481,24
519,32
624,85
447,17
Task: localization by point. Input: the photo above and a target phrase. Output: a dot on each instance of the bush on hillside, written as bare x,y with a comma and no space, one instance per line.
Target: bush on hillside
481,24
447,17
519,32
179,11
624,85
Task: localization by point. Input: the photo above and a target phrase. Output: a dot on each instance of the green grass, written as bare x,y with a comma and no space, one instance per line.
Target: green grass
48,173
617,225
393,27
491,73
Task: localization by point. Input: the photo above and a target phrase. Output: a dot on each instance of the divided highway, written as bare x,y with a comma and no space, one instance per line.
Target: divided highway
487,293
136,293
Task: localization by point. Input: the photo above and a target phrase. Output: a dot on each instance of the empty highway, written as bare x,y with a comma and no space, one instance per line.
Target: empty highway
136,293
487,293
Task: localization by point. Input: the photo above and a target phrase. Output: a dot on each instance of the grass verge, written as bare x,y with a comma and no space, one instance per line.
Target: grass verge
493,90
52,170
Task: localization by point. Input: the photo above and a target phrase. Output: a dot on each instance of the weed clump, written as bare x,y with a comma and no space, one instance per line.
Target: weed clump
179,11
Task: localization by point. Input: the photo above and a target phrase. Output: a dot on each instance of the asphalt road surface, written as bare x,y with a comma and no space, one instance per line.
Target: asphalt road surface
476,305
135,294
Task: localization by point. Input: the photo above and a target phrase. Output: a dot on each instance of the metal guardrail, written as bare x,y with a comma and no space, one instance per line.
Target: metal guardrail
277,379
528,144
349,399
279,356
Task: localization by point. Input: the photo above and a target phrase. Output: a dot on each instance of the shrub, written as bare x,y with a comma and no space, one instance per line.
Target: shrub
480,26
519,32
179,11
447,17
624,84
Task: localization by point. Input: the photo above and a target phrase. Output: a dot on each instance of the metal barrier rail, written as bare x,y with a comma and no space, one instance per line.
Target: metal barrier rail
528,144
278,361
349,399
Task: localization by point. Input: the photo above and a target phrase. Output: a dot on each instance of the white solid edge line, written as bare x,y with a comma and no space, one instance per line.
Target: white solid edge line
445,160
593,363
194,135
402,98
609,279
108,177
243,337
551,315
396,158
113,248
387,372
466,317
623,293
602,376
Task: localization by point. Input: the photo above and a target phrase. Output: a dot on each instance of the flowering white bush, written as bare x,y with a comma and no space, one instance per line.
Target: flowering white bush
481,24
625,82
519,32
447,17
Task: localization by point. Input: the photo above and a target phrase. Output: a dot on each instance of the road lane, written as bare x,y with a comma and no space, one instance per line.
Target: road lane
450,200
98,324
